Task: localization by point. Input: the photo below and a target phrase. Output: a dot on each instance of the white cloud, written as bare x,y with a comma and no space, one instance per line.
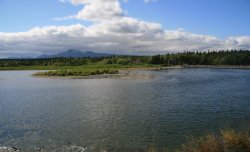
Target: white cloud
111,31
148,1
63,1
95,10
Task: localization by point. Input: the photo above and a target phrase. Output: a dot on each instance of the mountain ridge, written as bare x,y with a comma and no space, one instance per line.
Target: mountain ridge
75,54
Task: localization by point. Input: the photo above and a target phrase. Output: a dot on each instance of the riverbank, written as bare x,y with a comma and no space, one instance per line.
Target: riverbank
218,66
226,141
93,71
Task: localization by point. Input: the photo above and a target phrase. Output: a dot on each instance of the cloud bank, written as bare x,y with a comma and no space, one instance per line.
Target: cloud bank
111,31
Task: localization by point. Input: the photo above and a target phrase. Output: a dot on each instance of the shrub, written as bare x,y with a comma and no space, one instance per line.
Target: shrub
227,141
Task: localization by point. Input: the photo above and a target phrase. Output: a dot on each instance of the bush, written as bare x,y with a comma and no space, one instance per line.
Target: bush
228,141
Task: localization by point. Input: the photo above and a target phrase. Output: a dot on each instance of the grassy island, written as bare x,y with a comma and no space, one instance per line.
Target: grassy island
77,72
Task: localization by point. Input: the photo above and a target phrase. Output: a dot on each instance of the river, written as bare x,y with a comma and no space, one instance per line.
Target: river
121,115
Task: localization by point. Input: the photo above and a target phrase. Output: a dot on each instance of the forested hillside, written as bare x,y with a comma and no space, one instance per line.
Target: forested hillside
233,57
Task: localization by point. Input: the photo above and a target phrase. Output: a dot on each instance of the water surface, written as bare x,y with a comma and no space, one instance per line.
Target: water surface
121,115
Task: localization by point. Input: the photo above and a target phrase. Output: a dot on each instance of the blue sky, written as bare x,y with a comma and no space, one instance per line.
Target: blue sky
218,24
221,18
22,15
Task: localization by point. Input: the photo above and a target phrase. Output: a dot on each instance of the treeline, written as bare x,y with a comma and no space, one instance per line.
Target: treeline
122,60
233,57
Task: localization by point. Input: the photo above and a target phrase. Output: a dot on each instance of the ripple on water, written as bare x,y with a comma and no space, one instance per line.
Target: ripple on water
120,115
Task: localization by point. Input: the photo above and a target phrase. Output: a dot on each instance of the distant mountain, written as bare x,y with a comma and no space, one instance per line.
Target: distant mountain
43,56
75,54
18,58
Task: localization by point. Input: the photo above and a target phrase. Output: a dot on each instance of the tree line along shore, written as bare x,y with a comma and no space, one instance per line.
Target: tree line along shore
239,59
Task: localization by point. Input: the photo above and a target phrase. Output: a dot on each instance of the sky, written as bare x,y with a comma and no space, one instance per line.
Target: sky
29,28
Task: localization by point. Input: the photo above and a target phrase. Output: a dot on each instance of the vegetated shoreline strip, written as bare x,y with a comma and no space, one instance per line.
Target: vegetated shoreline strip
110,72
218,66
118,72
73,72
45,68
105,72
69,66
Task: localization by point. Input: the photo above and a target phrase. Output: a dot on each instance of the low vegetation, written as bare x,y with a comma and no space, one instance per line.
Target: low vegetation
74,72
102,65
226,141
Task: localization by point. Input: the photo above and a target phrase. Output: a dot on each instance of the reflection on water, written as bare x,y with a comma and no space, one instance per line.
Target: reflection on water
121,114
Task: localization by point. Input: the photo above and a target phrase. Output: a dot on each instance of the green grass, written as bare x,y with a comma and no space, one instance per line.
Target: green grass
77,72
84,70
88,66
